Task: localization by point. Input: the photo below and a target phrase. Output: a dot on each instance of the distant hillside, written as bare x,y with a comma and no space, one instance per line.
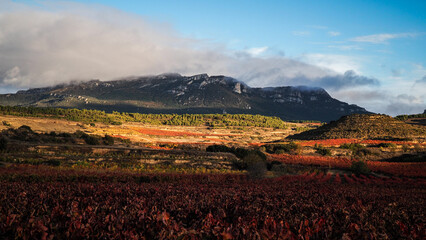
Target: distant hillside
201,94
417,119
406,117
364,126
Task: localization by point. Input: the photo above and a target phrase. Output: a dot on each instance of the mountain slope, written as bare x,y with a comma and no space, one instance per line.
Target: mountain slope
173,93
364,126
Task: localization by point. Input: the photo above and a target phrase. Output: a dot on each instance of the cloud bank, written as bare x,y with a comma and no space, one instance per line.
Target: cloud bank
62,42
40,47
420,82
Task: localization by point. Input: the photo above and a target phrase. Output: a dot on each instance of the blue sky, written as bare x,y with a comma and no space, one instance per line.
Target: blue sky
375,49
294,27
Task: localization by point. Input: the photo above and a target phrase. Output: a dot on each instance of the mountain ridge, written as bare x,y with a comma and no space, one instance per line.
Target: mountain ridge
174,93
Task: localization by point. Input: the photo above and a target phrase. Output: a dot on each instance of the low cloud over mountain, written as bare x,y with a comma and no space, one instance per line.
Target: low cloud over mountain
57,43
46,46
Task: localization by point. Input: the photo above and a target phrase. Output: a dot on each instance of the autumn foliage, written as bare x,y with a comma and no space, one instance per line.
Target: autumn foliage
338,142
45,203
409,169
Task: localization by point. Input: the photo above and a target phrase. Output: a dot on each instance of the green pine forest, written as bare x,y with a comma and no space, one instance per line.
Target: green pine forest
117,118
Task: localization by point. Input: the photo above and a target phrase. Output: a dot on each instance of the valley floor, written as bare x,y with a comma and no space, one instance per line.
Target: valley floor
61,179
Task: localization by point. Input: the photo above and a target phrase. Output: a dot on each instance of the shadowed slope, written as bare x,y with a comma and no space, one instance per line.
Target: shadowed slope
364,126
173,93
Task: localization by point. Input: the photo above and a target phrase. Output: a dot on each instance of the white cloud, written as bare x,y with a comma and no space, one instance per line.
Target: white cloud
383,101
397,73
301,33
421,81
334,34
416,84
404,103
383,37
45,47
335,62
419,69
11,75
257,51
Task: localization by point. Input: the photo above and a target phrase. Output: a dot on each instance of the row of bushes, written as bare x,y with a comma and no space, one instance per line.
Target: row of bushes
252,160
25,133
255,162
116,118
406,117
291,147
358,150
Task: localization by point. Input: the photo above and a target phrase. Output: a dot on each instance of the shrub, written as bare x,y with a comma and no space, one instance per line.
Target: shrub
91,140
243,152
53,162
273,164
238,152
239,164
80,134
322,150
25,127
125,140
25,133
291,147
279,151
358,150
386,145
108,140
65,135
3,143
218,148
361,152
360,167
418,147
256,166
405,148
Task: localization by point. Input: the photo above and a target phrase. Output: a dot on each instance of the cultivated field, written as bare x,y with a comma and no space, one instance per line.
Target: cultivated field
77,179
139,132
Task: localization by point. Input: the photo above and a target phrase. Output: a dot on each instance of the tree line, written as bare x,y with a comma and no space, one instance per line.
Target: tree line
406,117
117,118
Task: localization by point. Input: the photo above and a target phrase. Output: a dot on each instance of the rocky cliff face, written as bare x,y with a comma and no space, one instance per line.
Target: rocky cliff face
173,93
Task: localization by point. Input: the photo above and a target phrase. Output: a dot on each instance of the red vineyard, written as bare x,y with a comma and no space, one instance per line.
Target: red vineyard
362,179
415,169
338,142
44,203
